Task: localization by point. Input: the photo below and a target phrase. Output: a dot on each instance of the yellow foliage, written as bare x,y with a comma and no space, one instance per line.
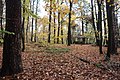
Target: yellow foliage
64,10
73,17
75,1
108,0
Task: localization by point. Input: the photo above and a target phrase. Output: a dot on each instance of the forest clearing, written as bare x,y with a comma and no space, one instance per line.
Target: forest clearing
59,39
39,64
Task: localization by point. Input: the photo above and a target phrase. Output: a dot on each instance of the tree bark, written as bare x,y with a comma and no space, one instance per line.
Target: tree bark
54,29
27,28
92,12
1,18
83,39
105,28
49,29
111,34
62,31
58,23
1,8
100,25
35,38
32,21
69,25
11,62
28,24
23,23
58,27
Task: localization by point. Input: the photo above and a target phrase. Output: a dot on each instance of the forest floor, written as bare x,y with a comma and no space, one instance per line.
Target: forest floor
61,62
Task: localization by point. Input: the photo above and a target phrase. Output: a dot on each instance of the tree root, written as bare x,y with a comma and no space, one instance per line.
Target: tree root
98,65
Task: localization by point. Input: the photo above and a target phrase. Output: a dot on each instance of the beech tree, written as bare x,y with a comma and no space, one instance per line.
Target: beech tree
35,38
111,30
69,24
99,25
49,29
23,24
93,21
33,2
11,62
105,26
58,22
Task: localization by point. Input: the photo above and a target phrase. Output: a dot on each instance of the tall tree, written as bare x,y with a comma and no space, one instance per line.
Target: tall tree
35,38
49,29
99,25
111,32
105,28
116,28
54,20
11,62
32,20
58,22
28,22
93,22
69,24
23,23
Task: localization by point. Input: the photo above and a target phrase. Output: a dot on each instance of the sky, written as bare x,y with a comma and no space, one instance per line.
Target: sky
42,10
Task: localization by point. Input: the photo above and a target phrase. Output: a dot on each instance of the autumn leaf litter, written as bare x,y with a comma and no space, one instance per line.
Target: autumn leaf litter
41,65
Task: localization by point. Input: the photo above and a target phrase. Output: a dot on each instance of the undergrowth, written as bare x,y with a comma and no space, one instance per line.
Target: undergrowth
55,50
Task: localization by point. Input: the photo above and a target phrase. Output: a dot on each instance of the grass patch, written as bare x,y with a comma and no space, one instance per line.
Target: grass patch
56,50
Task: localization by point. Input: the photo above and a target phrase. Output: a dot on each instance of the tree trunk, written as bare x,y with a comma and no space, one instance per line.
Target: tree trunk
54,28
100,25
28,25
32,22
92,12
62,31
83,39
111,33
35,38
11,62
1,8
116,29
49,29
86,26
1,18
69,25
23,23
27,28
105,29
58,24
97,24
58,27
